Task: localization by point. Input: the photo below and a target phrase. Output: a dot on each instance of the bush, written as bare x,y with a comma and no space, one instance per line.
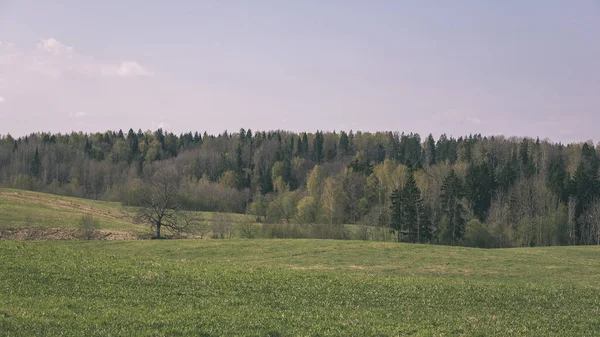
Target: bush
247,229
89,227
477,235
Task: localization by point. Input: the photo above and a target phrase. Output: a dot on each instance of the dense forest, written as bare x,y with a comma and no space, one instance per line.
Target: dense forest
473,190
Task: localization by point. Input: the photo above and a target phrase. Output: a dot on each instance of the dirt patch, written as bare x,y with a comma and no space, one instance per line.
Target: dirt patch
358,267
312,268
435,269
59,233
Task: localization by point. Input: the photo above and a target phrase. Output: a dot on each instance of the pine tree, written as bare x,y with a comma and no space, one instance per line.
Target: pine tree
240,175
265,182
318,147
558,177
452,209
430,151
344,144
584,187
36,164
409,215
480,185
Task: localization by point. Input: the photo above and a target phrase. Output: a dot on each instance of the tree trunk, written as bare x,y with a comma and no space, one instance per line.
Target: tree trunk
158,230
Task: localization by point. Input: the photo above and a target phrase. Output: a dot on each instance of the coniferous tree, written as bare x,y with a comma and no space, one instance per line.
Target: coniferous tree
584,187
409,215
557,179
344,144
452,208
480,185
36,164
318,154
430,151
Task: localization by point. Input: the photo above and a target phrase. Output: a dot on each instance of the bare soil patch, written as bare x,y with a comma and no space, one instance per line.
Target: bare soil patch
59,233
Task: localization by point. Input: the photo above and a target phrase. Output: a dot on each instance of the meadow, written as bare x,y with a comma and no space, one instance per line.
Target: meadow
273,287
295,288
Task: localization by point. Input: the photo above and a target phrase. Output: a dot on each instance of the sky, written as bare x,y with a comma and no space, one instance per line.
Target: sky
513,68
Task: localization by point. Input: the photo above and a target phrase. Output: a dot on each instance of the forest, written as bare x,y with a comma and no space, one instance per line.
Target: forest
472,190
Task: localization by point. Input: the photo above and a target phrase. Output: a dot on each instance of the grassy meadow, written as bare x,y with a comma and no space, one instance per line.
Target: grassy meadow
295,288
272,287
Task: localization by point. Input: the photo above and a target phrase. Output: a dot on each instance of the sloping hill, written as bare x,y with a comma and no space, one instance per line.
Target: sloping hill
25,213
33,215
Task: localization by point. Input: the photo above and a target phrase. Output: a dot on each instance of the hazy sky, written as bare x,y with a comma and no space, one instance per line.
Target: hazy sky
524,68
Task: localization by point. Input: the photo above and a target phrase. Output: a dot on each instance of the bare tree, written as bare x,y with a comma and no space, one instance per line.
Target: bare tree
159,200
221,226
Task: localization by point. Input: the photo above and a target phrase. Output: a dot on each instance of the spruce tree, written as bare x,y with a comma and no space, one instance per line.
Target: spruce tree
452,209
36,164
409,214
344,144
480,185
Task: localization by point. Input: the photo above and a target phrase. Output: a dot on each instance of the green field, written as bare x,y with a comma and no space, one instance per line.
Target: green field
295,288
275,287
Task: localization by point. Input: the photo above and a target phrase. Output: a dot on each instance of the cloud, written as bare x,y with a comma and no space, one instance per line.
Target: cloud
565,132
129,69
79,114
54,59
474,120
54,47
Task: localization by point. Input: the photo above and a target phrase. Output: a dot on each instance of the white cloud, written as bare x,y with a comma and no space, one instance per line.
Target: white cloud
54,59
565,132
79,114
474,120
2,99
54,47
129,69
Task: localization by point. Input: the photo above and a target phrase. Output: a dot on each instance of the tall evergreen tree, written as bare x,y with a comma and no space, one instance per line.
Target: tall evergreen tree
318,142
409,215
480,185
344,144
36,164
430,151
585,188
557,179
452,209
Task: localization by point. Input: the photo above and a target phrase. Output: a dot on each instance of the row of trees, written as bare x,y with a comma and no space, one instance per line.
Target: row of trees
474,190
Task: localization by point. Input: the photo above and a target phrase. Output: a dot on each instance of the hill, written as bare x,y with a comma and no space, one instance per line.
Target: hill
295,287
33,215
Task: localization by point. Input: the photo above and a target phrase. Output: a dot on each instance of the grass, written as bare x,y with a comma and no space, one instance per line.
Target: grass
26,208
295,288
21,209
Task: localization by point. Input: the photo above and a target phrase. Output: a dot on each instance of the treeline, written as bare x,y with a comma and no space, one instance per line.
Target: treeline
474,190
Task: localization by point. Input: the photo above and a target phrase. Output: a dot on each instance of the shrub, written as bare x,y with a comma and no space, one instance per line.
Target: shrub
89,227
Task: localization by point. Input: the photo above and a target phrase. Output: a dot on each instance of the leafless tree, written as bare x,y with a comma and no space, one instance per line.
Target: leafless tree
221,226
159,200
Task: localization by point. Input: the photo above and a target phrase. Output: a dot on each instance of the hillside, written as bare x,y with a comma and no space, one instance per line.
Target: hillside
56,217
295,288
33,215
